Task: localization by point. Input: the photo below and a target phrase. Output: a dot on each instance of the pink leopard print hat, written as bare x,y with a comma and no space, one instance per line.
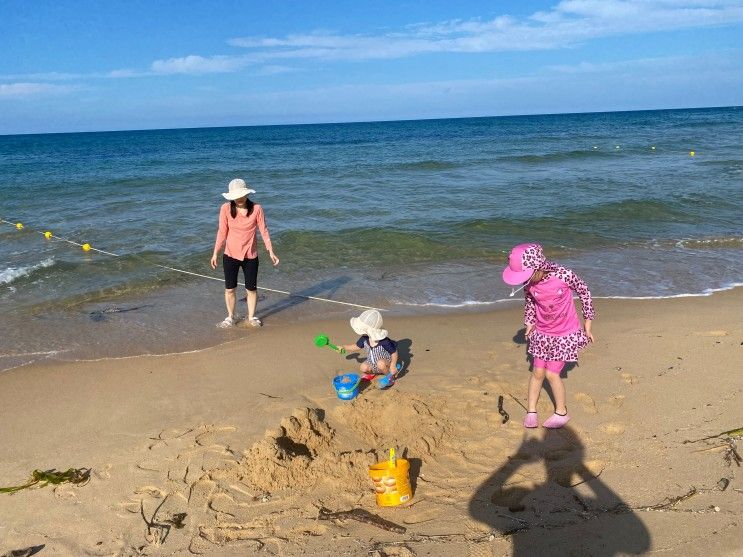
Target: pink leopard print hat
522,262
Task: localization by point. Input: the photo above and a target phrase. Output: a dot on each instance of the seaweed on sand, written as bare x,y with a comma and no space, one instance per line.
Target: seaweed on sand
361,515
41,478
729,445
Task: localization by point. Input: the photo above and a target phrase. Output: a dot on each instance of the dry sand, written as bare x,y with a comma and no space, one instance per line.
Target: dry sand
249,440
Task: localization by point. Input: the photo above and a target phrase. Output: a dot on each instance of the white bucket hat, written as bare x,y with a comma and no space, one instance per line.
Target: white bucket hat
237,189
369,323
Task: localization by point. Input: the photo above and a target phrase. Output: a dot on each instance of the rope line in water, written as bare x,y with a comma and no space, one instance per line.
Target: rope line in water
87,247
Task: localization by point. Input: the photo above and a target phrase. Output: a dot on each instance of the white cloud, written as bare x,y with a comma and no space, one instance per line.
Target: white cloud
720,60
199,65
22,90
568,23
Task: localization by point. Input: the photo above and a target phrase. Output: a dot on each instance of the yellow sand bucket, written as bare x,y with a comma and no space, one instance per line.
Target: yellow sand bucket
391,481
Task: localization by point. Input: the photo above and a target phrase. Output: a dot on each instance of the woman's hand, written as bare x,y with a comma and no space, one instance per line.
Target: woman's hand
529,329
274,259
213,262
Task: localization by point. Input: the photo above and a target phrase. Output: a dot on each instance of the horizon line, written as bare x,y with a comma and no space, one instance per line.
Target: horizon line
352,122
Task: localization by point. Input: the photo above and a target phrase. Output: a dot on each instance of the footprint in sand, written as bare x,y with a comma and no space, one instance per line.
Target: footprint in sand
151,466
223,503
571,474
393,551
587,403
567,469
616,400
629,378
211,433
718,333
65,492
613,428
151,490
103,473
200,493
511,496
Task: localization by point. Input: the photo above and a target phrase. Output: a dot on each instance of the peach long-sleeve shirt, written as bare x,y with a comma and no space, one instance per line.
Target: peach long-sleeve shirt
238,234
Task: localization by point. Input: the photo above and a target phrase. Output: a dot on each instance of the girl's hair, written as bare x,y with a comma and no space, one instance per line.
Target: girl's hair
233,207
538,275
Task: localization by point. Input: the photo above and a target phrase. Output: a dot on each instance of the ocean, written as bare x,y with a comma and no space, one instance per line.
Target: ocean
408,216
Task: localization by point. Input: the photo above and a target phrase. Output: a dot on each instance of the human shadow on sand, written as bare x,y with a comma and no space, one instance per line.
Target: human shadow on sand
552,502
323,289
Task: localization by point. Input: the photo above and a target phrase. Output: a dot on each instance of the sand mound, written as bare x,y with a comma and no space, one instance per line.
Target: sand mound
271,494
400,420
305,450
300,453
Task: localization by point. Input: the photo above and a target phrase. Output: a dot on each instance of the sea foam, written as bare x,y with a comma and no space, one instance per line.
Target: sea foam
10,274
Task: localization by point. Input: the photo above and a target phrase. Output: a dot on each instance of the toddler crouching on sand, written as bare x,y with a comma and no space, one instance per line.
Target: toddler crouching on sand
381,351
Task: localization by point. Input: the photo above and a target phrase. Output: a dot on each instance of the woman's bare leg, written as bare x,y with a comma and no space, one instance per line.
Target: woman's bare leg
229,301
252,298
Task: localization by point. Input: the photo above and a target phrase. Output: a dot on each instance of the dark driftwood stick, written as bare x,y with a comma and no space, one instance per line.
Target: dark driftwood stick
501,411
361,515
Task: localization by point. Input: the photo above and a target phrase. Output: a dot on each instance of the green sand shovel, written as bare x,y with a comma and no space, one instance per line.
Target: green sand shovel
323,340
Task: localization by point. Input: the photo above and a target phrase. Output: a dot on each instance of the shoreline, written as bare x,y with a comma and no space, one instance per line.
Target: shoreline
210,338
189,429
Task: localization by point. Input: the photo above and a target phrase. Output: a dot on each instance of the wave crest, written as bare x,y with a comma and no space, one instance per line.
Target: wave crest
11,274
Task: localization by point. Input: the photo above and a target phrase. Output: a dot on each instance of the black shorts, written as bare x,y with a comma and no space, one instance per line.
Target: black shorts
232,269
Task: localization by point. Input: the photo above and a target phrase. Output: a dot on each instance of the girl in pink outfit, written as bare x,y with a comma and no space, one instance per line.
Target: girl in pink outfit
553,330
238,221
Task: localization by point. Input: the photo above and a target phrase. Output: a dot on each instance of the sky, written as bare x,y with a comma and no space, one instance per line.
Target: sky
78,65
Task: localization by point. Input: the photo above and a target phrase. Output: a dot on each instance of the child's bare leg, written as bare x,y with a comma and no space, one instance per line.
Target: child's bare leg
383,366
535,388
365,368
558,391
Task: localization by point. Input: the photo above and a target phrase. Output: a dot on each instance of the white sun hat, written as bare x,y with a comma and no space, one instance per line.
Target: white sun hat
369,323
237,189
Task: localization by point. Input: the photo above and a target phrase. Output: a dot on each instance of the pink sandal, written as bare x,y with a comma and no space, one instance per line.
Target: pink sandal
531,420
556,421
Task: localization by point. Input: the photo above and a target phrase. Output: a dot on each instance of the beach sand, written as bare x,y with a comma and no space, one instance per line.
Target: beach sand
249,440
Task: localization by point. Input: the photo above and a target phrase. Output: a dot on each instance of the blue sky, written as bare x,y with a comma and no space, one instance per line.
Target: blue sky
93,65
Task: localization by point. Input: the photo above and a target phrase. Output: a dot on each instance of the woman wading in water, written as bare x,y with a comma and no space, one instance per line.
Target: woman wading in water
238,221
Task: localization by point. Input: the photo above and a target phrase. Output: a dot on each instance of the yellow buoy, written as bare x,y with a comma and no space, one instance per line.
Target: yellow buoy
48,235
19,225
692,153
86,247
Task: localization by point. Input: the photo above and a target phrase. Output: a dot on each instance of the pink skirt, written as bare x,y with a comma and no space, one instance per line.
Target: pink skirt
563,348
